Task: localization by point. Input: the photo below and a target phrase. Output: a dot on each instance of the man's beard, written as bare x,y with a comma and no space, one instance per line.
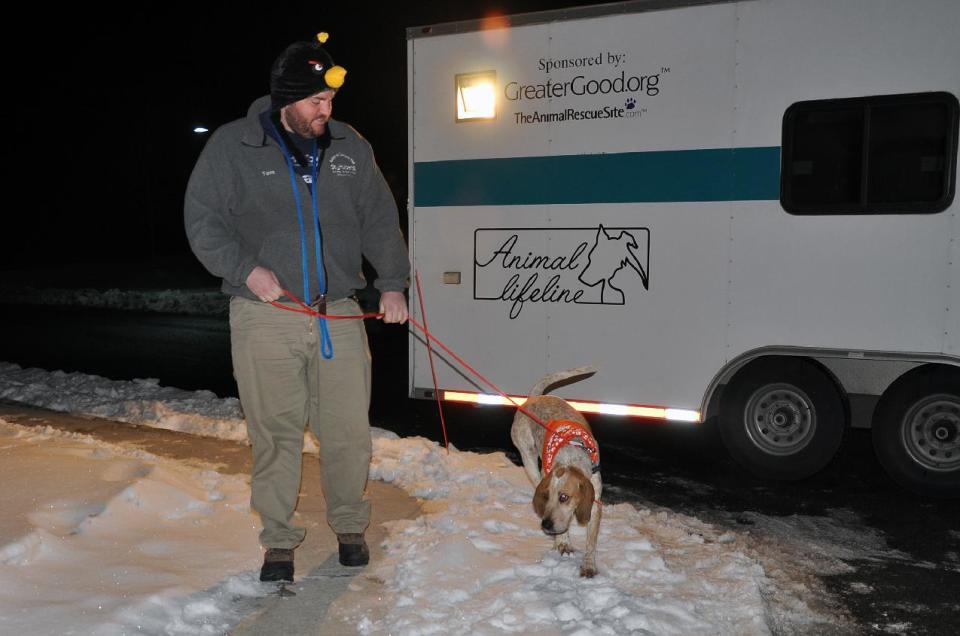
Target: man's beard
301,126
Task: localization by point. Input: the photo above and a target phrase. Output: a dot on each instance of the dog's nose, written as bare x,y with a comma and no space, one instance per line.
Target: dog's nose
547,524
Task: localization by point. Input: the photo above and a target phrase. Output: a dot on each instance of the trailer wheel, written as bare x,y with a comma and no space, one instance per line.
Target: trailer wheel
916,433
782,418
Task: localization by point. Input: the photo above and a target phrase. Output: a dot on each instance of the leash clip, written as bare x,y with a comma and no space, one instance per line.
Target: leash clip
319,304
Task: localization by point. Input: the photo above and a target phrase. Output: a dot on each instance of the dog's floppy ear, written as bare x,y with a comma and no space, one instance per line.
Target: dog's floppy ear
585,504
541,495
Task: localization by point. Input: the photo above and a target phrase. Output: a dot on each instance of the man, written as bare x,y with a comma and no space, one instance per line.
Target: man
289,198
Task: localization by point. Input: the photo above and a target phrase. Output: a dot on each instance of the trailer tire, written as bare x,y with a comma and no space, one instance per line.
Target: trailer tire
782,418
916,432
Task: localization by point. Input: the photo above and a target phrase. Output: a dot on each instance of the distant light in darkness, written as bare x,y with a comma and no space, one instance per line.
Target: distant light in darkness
200,130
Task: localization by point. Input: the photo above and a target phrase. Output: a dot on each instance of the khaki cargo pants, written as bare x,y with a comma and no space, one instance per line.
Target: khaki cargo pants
284,383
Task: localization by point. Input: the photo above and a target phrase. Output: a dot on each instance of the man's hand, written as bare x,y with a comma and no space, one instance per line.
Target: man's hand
264,284
393,306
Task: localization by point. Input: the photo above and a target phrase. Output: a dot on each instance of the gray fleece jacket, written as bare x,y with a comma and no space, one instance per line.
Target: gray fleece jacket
239,212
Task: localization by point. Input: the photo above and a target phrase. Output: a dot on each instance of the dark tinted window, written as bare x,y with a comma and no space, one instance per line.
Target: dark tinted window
873,155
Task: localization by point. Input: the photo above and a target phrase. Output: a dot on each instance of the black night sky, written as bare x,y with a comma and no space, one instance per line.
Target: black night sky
101,105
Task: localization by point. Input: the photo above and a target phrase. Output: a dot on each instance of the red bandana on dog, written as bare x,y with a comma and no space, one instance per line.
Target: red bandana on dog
563,432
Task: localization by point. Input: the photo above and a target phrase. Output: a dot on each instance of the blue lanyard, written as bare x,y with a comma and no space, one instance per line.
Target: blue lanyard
326,344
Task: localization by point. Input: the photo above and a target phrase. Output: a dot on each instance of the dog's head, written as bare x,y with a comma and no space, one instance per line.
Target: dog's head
563,494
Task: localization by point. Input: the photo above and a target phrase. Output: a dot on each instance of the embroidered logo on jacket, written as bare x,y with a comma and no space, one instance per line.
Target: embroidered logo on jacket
342,165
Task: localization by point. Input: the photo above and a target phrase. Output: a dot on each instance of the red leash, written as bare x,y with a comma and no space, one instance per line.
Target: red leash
433,371
306,309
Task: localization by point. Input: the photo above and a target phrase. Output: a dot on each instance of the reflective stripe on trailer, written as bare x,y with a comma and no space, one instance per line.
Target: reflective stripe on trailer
632,410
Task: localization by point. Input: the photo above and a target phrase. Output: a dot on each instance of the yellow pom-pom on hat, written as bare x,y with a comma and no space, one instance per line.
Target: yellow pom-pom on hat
335,76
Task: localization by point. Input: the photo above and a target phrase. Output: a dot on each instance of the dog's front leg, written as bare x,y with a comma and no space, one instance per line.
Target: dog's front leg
562,543
589,567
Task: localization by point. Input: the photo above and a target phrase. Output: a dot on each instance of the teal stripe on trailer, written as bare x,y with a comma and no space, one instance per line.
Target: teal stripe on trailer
723,174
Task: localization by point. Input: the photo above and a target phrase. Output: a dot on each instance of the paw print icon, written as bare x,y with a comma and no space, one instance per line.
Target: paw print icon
631,104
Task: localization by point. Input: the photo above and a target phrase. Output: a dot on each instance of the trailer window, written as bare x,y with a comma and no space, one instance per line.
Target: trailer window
870,155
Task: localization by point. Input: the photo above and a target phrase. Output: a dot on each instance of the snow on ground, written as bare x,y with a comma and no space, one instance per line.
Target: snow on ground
101,539
480,564
204,302
141,401
113,539
828,544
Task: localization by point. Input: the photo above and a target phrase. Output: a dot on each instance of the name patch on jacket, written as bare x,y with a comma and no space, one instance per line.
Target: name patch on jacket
342,165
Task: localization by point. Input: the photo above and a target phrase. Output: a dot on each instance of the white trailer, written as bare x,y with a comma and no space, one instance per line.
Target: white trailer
735,209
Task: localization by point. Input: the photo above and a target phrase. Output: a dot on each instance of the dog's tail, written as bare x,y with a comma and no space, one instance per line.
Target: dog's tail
549,381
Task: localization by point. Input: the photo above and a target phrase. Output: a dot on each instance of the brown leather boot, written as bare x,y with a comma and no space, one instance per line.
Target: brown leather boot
353,550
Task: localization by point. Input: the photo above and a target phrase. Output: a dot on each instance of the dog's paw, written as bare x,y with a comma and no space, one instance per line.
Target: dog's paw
588,571
565,548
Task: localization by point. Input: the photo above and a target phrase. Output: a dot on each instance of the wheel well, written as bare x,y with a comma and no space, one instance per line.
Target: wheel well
732,374
917,373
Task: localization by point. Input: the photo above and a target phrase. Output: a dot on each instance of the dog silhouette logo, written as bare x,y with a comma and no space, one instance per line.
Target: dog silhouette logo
610,254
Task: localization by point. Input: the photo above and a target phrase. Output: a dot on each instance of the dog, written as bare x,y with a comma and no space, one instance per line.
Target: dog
567,478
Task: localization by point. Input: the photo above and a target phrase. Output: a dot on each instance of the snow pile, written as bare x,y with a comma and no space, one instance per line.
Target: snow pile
141,401
202,302
479,563
99,539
